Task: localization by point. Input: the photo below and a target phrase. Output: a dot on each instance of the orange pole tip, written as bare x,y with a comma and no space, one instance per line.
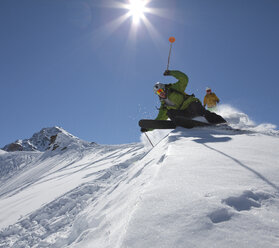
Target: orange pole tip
171,39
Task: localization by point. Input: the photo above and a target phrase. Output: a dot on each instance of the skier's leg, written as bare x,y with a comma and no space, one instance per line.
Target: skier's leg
195,109
213,117
172,113
212,109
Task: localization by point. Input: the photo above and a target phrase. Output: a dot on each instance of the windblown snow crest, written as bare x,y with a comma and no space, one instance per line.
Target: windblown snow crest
240,120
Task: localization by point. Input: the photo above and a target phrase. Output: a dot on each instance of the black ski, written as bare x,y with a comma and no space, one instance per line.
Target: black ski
157,124
178,122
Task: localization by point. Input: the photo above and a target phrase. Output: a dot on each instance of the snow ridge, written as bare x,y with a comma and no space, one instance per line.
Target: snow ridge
11,163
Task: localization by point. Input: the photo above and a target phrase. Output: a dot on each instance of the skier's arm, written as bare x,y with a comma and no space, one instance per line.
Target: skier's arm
162,115
204,101
217,99
182,80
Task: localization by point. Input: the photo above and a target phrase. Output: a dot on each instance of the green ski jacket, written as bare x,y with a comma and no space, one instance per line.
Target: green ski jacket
176,94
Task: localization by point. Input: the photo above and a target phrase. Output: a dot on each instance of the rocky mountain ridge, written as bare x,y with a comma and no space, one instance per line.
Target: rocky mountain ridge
47,139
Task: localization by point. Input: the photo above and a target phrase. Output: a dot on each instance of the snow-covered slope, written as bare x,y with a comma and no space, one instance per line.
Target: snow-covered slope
213,189
204,187
2,152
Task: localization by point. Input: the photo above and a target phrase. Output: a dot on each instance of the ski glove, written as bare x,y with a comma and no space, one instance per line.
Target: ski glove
166,73
143,130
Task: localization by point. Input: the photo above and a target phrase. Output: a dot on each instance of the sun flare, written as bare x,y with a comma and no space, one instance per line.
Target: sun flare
138,13
137,9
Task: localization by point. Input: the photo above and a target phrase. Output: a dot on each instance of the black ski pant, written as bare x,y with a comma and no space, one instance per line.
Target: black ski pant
196,109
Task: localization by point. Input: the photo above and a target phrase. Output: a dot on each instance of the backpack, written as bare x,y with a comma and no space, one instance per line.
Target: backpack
184,94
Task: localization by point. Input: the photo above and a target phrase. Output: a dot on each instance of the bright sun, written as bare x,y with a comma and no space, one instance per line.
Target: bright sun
137,9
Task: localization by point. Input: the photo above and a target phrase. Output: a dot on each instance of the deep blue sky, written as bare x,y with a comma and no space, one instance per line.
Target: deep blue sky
67,63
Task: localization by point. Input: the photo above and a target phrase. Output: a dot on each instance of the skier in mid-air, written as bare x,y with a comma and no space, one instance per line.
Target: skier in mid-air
176,103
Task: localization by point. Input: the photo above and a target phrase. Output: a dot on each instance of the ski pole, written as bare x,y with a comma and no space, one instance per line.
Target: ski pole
148,139
171,40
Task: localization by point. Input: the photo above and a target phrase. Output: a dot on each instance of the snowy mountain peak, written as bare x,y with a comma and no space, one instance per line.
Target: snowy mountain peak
49,138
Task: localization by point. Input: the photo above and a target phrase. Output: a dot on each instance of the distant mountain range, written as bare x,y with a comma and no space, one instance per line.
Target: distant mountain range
47,139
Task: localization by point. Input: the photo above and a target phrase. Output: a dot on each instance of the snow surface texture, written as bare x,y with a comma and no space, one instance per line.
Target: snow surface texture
2,152
201,187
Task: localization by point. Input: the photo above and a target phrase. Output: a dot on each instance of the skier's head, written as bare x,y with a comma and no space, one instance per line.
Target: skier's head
208,90
160,90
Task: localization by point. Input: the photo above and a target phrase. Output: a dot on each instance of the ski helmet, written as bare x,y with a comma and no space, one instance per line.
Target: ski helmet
207,89
159,89
158,86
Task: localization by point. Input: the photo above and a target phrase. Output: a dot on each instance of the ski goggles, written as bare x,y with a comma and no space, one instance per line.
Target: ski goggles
159,91
208,90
